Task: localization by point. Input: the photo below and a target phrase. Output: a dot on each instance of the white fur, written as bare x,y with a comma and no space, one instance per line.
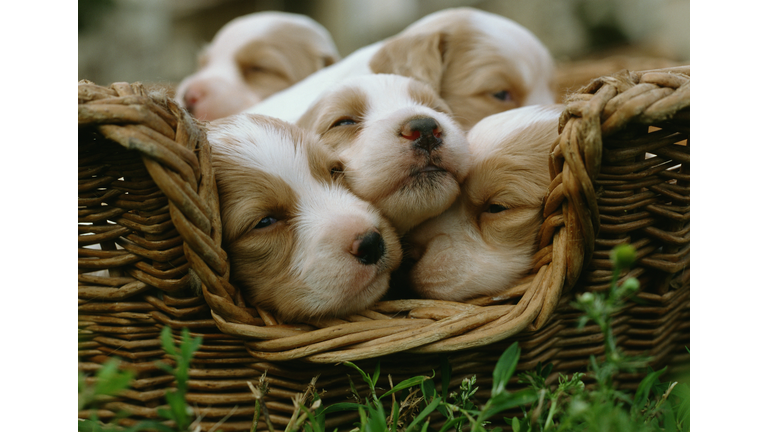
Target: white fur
512,42
322,278
291,103
220,87
379,163
470,250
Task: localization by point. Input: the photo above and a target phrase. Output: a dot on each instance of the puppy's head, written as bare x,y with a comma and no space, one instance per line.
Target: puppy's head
252,57
480,63
400,149
299,243
486,240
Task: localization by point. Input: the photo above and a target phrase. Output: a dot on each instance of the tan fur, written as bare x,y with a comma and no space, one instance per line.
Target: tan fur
301,266
268,66
465,65
253,57
471,250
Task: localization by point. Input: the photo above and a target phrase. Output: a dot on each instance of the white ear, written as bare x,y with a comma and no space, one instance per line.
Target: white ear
418,56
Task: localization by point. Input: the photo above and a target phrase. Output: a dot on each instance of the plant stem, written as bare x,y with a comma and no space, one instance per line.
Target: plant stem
551,414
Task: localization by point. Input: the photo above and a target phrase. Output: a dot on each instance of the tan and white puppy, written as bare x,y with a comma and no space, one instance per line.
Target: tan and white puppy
485,242
480,63
300,244
252,57
398,145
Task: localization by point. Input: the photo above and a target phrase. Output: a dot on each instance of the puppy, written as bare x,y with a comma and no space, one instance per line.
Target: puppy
399,148
252,57
478,62
299,243
485,242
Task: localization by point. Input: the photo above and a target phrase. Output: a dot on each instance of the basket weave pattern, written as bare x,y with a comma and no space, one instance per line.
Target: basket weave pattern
148,198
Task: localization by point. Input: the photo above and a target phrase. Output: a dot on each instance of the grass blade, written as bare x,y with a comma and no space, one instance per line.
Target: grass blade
410,382
423,414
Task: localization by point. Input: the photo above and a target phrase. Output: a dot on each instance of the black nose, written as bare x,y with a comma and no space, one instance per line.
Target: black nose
425,133
369,248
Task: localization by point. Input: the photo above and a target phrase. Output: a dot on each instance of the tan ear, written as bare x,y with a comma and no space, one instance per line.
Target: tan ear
419,56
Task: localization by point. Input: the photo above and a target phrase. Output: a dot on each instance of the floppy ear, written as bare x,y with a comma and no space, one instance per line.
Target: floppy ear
420,56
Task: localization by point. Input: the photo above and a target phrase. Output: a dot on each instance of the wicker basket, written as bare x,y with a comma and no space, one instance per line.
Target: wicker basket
148,198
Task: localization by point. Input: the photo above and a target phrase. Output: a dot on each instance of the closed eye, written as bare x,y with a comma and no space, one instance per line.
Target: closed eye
344,121
267,221
504,96
496,208
252,69
337,171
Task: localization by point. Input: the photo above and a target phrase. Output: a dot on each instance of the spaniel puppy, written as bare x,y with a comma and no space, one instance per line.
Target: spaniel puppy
485,242
478,62
252,57
299,243
398,145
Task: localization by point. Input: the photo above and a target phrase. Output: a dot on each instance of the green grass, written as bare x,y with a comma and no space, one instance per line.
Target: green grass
415,405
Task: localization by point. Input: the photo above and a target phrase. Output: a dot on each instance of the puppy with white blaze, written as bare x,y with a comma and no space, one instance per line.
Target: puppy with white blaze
398,145
299,243
485,242
480,63
252,57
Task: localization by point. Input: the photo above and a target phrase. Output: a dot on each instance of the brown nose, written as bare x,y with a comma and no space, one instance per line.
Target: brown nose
425,133
369,248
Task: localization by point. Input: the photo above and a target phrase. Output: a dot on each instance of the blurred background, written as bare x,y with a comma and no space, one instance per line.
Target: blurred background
158,40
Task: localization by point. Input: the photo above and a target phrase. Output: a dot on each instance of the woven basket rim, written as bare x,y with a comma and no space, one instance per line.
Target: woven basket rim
433,326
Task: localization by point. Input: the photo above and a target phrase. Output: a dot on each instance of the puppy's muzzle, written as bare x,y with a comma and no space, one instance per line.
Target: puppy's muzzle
192,97
369,248
424,132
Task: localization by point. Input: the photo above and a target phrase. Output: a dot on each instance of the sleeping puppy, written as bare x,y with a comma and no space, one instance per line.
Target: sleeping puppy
300,244
478,62
252,57
399,148
485,242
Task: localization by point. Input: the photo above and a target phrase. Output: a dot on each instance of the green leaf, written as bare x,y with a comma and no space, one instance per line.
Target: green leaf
165,413
644,388
178,406
189,345
504,401
428,389
425,426
110,380
449,424
505,368
363,417
166,367
514,422
342,406
410,382
378,419
149,425
167,341
360,371
376,374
